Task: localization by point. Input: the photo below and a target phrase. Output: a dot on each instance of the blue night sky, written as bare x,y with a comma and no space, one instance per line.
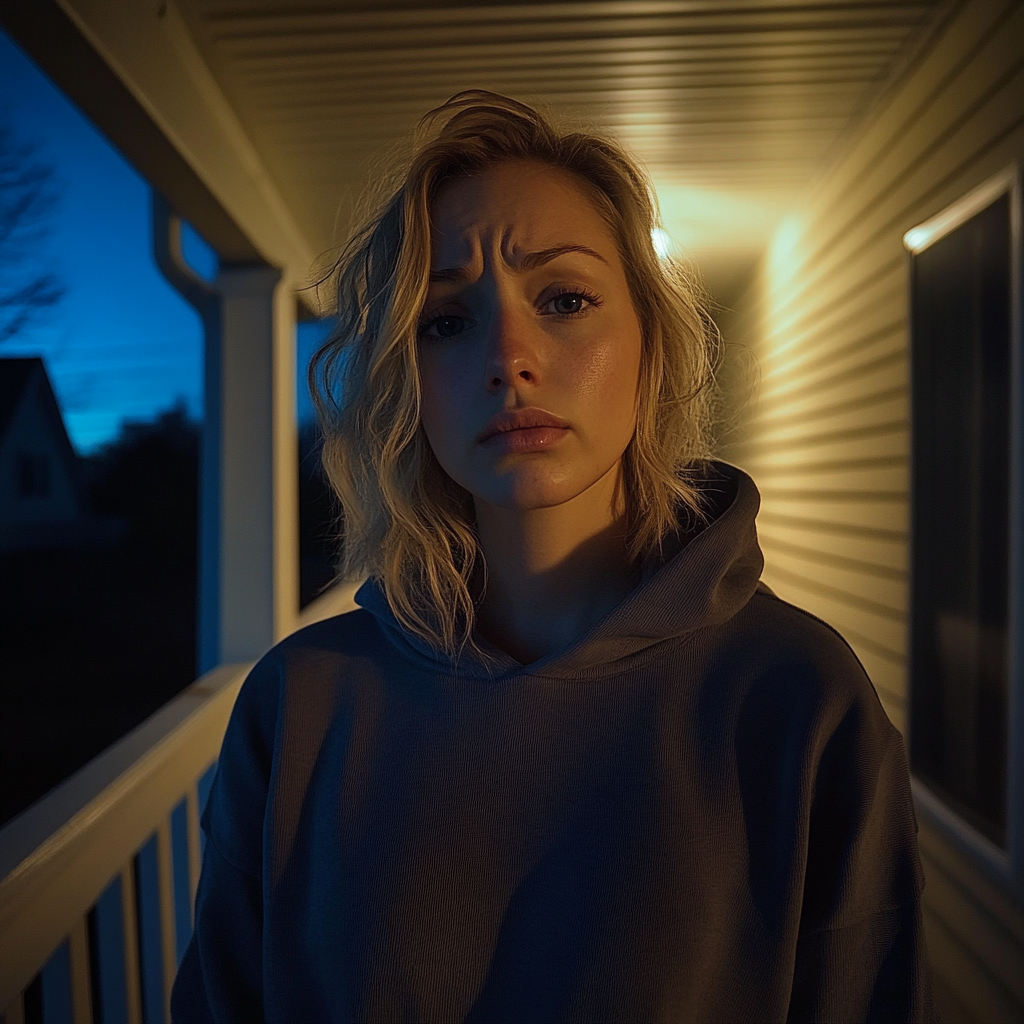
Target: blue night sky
122,345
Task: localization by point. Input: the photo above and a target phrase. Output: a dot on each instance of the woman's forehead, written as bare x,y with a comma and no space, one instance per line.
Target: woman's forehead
514,208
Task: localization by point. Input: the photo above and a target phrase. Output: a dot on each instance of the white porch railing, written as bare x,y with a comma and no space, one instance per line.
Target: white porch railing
98,879
99,875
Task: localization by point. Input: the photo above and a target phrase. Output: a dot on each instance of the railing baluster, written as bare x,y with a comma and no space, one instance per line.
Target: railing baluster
181,878
81,987
106,949
130,925
150,933
194,853
165,875
57,997
15,1013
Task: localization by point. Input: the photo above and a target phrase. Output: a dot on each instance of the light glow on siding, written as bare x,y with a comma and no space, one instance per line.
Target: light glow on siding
701,219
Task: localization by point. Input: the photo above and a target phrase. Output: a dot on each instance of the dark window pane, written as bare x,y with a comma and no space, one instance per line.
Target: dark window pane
960,314
33,474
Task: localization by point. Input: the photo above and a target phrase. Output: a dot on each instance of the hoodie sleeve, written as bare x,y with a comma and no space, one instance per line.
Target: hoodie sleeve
872,972
861,953
221,975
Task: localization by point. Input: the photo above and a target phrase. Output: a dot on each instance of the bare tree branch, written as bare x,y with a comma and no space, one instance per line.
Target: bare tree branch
28,202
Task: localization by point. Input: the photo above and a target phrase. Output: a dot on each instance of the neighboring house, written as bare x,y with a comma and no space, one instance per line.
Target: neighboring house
42,502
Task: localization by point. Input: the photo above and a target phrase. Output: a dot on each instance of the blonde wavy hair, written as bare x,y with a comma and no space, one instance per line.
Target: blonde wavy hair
405,520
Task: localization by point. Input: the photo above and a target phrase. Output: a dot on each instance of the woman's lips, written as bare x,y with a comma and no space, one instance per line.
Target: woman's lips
523,430
525,439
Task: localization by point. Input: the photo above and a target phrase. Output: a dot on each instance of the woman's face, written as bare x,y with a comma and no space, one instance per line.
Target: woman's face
529,346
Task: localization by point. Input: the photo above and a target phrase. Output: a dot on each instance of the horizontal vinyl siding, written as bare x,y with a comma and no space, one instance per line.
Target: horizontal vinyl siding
975,937
826,435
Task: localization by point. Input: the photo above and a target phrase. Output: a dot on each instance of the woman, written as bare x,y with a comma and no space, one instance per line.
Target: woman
570,761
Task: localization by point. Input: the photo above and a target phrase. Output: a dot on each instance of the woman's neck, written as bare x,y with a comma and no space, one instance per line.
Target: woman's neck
552,573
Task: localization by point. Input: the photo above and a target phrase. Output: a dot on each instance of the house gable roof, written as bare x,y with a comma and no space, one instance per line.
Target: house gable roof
16,376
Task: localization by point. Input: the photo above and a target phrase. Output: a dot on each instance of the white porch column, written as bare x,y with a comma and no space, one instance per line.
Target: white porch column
249,516
248,493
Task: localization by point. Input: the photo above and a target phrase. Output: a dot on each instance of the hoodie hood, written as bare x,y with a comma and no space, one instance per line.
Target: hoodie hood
701,579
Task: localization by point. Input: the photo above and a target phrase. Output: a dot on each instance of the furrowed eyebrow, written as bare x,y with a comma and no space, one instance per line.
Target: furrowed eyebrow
530,261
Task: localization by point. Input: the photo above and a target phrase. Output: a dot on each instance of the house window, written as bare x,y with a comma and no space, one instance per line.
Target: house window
962,486
33,475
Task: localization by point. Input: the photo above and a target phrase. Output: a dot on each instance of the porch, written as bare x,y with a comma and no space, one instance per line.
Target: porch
793,148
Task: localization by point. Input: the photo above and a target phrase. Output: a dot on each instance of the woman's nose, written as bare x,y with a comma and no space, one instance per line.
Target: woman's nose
512,356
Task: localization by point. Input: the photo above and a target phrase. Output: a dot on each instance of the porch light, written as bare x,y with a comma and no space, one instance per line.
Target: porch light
662,243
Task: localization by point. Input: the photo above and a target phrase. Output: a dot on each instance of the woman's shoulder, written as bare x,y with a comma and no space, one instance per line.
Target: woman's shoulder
790,628
290,692
300,675
355,633
321,648
802,659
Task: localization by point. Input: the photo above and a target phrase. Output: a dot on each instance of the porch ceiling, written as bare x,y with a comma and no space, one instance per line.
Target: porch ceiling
734,106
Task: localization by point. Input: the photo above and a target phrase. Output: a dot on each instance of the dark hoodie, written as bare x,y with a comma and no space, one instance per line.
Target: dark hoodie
697,812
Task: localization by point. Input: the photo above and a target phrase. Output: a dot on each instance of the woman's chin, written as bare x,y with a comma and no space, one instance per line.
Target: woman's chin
527,488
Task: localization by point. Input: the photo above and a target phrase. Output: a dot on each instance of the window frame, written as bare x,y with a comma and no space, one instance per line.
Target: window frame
1005,866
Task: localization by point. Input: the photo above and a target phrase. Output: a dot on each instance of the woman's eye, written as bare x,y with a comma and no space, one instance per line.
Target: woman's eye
568,303
445,326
